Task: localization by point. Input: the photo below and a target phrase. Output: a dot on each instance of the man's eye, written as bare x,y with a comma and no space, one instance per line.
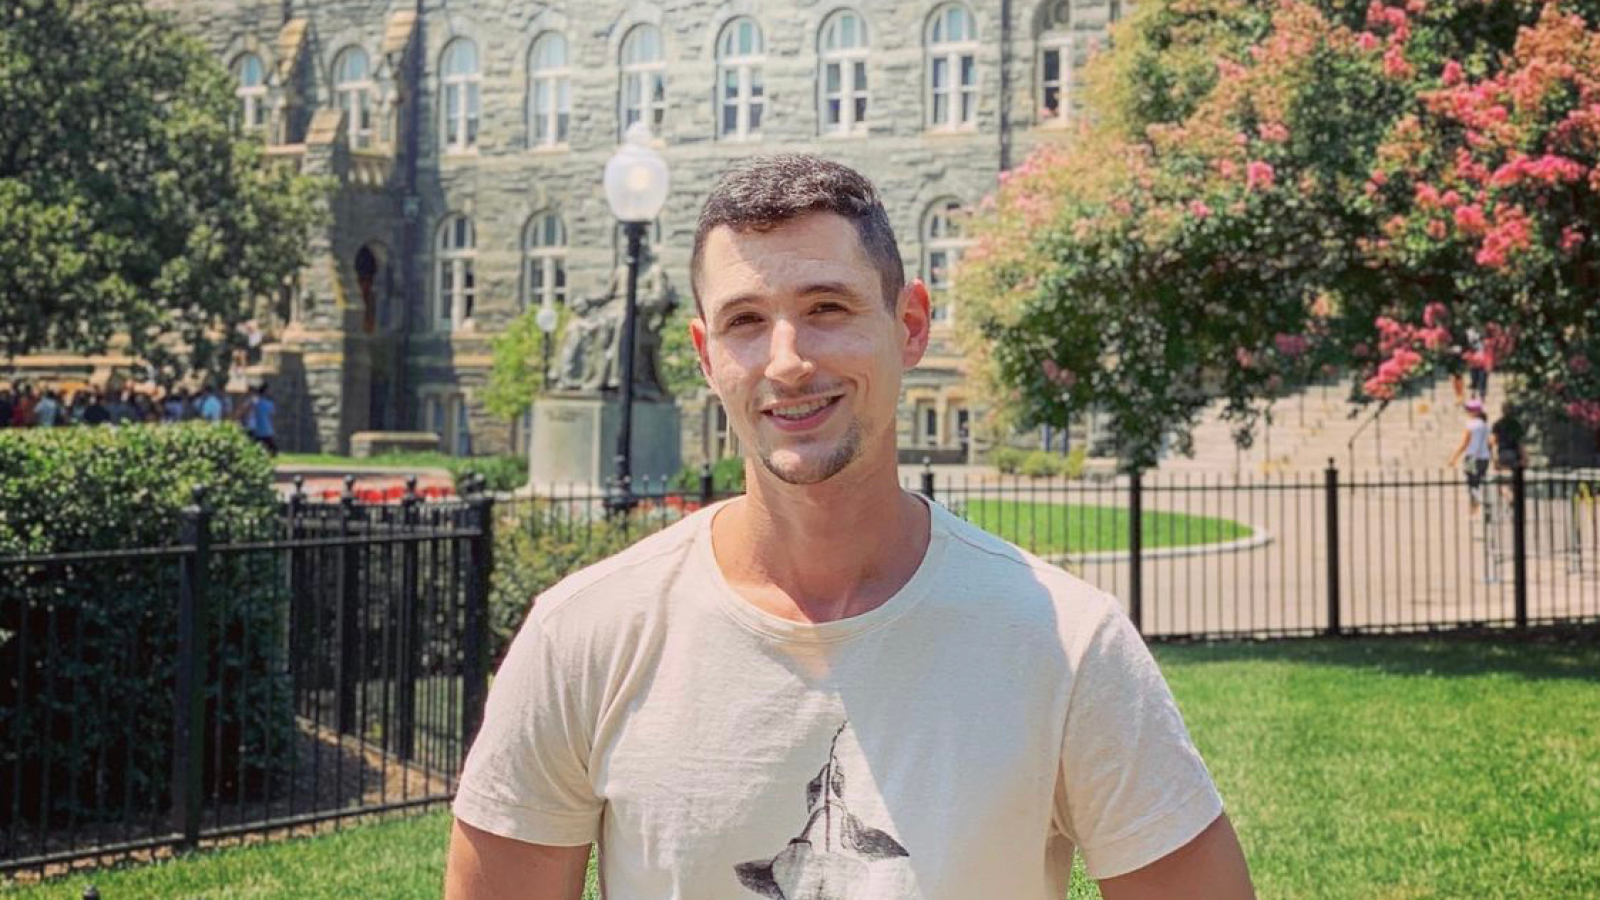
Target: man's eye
828,307
741,319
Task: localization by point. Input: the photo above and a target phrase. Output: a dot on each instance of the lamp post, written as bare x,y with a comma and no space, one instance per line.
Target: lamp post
546,319
636,189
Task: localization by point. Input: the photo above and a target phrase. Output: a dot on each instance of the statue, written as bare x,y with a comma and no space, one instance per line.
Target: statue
590,350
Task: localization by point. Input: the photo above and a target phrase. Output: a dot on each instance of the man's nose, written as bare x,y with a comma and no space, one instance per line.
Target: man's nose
785,364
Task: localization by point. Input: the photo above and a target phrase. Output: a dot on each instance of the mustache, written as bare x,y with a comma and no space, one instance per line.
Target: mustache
769,395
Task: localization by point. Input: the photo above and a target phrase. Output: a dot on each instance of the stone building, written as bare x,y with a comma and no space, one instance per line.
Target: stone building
467,138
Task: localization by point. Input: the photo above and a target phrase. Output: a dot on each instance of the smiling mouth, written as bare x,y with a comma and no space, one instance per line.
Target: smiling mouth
800,412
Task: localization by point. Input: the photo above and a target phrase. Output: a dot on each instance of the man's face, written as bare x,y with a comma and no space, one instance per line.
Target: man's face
801,346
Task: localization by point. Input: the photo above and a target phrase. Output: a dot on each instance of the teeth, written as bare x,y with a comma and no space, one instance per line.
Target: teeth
800,412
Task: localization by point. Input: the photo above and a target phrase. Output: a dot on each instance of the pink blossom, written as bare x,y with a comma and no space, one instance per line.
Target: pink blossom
1585,411
1470,219
1435,338
1394,63
1416,7
1378,389
1579,365
1435,314
1199,209
1450,199
1436,229
1244,357
1571,238
1259,174
1367,41
1274,132
1227,68
1427,195
1380,177
1291,345
1360,350
1226,168
1057,375
1452,72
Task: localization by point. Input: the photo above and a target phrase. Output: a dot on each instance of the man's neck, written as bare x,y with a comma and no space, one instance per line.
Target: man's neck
823,552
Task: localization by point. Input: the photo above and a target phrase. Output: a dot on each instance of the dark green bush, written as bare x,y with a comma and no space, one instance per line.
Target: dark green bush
727,477
1008,460
501,473
87,648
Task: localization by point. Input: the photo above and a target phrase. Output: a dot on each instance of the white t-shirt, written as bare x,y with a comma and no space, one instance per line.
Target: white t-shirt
956,742
1477,439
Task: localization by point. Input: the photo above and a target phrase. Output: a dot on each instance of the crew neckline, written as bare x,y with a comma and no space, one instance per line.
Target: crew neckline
758,620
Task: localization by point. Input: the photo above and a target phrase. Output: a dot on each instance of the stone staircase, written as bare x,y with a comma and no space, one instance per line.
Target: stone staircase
1416,433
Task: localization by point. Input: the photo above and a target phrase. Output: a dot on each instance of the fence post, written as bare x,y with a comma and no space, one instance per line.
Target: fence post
708,485
410,627
1330,493
475,640
1136,549
188,724
927,478
1519,544
300,615
347,676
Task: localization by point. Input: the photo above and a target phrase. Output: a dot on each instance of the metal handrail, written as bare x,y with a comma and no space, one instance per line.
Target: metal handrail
1350,445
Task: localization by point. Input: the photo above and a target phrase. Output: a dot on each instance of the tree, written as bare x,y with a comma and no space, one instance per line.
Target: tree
132,207
1232,231
516,376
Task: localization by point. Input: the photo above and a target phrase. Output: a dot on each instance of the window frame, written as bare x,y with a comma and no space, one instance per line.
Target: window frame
1053,34
646,74
854,95
958,58
544,265
556,79
943,235
250,96
467,90
749,100
359,125
454,300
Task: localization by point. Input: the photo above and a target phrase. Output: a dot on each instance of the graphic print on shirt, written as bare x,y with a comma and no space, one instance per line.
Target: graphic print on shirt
833,856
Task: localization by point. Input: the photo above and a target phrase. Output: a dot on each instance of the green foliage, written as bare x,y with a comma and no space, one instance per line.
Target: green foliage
98,637
501,473
129,203
1042,464
680,364
727,477
517,375
1008,460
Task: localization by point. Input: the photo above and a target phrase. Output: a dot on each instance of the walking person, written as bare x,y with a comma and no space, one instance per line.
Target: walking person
828,687
1476,447
48,410
262,410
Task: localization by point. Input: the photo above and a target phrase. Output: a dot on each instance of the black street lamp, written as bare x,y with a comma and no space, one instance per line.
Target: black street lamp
636,189
547,319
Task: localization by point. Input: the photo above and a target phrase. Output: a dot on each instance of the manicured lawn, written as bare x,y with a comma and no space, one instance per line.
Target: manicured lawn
1043,527
1407,768
424,460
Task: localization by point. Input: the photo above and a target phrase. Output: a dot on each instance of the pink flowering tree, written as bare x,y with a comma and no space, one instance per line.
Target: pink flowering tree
1299,205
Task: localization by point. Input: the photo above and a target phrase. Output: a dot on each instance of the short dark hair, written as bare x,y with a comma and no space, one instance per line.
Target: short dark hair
764,192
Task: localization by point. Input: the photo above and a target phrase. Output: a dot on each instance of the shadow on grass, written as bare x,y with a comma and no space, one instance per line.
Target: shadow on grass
1567,653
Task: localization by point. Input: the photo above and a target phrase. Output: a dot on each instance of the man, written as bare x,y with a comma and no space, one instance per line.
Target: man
210,405
47,410
260,423
96,412
828,688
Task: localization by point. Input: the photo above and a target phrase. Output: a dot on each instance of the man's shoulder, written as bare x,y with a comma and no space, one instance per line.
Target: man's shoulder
1000,568
630,575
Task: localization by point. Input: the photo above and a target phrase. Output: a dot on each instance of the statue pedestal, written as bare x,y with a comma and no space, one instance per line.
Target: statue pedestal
575,441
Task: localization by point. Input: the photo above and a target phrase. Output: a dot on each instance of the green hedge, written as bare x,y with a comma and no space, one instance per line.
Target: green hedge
88,648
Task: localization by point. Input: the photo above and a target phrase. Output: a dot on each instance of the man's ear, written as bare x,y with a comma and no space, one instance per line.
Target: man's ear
697,334
914,313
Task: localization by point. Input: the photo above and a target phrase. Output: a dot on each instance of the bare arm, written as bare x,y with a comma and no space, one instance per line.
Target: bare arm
1466,438
1210,867
484,866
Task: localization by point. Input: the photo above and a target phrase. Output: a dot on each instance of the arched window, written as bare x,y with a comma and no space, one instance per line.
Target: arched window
644,79
251,92
352,92
843,52
943,241
459,82
952,42
740,93
549,91
1053,74
456,251
544,254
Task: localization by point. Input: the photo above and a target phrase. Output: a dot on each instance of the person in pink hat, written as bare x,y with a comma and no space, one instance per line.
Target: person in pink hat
1477,445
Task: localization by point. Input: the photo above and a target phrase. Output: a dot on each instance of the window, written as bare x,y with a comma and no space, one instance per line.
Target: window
943,241
544,253
352,92
433,416
462,445
549,91
644,79
952,68
453,273
739,89
930,425
251,92
1054,43
459,83
843,97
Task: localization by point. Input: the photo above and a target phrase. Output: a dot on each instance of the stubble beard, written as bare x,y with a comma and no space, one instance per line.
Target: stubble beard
848,448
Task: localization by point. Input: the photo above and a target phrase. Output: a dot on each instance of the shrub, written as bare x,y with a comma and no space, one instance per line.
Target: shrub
1042,464
727,477
98,638
501,473
1007,459
1075,460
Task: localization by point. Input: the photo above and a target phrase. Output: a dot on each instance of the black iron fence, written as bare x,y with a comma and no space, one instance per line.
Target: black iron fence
329,663
1309,553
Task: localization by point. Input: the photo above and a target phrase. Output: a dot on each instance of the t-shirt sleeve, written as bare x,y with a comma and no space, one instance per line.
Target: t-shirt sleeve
527,776
1132,787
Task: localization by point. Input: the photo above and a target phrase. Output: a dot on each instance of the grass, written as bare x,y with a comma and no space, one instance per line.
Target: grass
505,473
1421,769
1044,528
